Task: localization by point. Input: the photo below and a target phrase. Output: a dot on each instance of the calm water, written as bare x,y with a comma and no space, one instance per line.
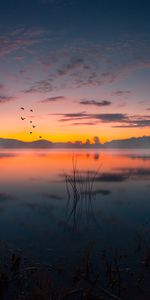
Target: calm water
33,201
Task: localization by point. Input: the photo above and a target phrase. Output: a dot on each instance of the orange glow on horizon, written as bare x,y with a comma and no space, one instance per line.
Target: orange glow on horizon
73,137
48,123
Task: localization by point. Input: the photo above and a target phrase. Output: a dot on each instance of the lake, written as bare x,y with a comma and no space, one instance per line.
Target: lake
37,212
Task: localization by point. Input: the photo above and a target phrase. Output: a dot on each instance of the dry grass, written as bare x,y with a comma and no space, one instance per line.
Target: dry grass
80,191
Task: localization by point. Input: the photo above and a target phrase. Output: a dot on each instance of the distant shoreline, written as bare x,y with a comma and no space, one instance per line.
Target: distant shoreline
131,143
75,148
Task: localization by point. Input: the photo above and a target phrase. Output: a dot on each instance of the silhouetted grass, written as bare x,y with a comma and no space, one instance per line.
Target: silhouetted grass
113,277
80,191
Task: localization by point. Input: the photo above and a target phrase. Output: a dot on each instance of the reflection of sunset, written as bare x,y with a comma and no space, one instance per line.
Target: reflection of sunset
23,165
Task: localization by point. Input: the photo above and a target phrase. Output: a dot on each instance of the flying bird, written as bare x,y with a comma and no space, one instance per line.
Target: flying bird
33,126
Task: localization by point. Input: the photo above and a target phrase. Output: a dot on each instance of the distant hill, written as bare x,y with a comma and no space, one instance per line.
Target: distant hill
13,143
140,142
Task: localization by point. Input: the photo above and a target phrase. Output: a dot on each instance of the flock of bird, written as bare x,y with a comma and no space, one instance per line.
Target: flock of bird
33,126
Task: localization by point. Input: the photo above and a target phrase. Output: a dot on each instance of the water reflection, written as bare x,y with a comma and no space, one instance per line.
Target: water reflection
7,155
35,204
96,156
52,196
4,197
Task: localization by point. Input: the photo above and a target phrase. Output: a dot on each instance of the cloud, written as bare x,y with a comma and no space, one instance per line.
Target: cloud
81,64
120,93
79,72
135,122
96,103
19,38
84,123
76,63
123,120
52,99
72,116
108,118
105,118
42,86
5,99
70,71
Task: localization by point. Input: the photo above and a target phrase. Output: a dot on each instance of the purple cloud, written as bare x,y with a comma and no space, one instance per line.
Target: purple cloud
123,120
105,118
19,39
5,99
120,93
95,103
52,99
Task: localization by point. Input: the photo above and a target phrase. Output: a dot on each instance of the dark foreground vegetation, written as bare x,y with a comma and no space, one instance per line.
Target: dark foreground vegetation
114,276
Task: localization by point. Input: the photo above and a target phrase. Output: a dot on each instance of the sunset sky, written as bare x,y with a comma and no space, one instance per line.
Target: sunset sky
82,66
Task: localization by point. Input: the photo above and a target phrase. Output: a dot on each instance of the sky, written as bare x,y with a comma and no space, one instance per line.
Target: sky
82,66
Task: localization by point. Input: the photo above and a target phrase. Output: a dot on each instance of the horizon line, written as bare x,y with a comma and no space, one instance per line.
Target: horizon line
77,141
